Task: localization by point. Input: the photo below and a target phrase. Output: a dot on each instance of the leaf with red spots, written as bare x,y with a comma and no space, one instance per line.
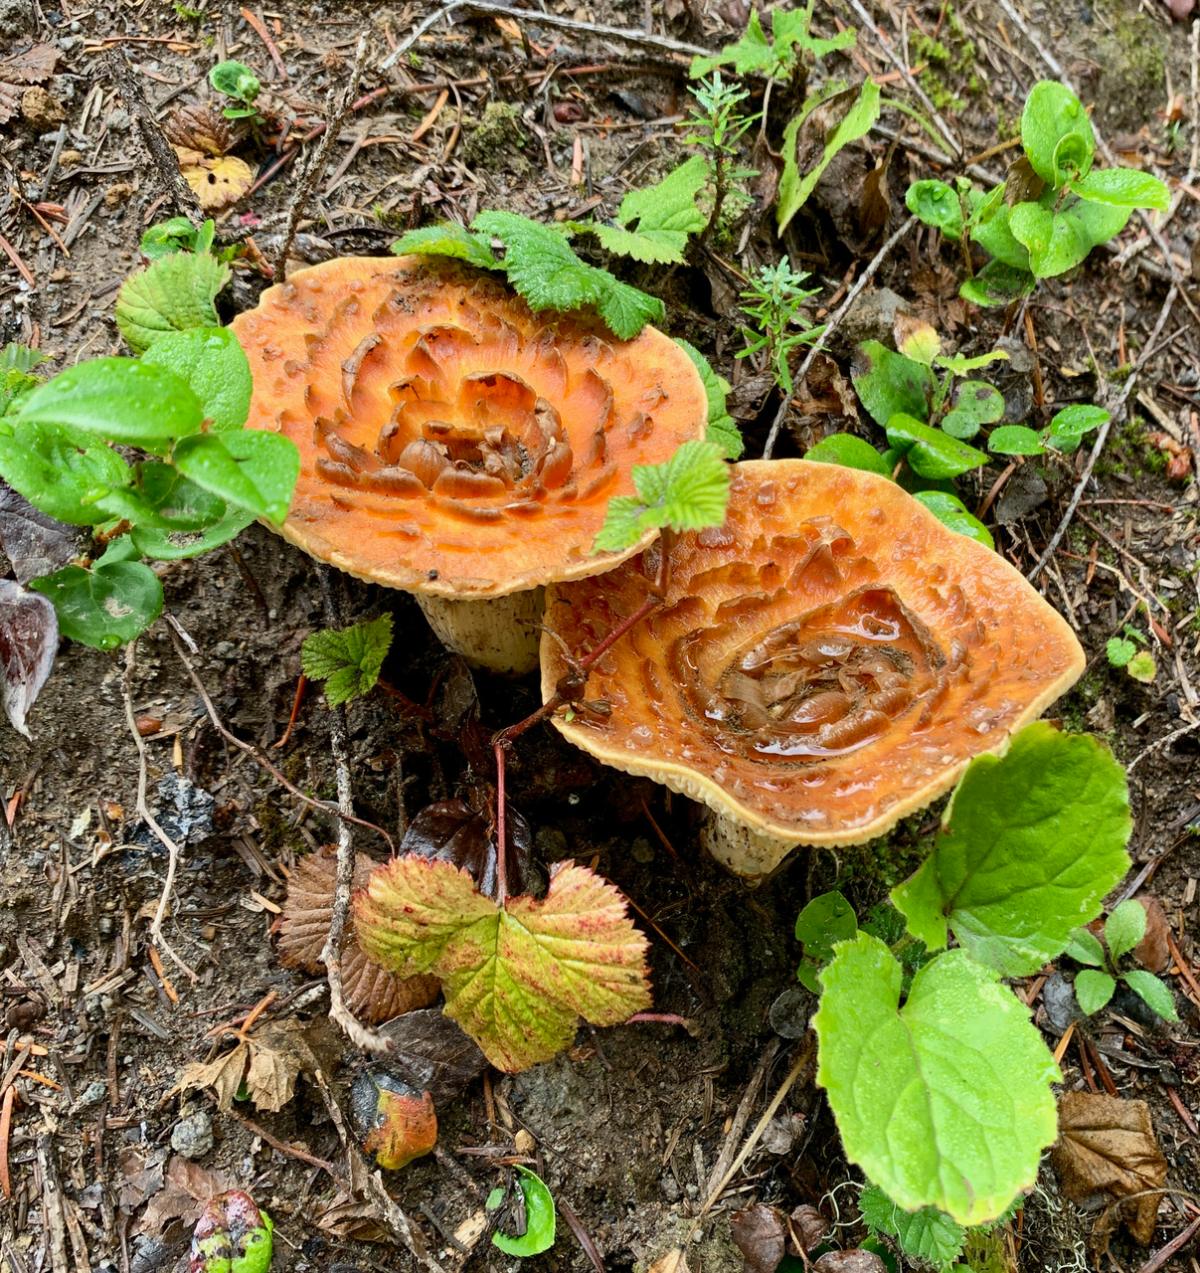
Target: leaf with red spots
516,977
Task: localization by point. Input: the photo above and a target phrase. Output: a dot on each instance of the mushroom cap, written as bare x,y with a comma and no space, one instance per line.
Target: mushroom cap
451,440
825,663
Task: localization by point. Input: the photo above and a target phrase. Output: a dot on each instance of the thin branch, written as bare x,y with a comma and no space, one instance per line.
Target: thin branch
143,811
839,314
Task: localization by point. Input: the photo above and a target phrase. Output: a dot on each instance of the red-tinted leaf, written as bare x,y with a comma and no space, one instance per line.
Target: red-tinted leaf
33,543
28,643
451,831
395,1121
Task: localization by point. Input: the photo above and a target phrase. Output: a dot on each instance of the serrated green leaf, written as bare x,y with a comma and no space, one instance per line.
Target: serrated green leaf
795,187
623,525
975,403
539,1217
1084,947
1123,188
174,293
247,469
849,451
1015,439
1152,991
929,1234
889,384
1056,133
722,428
61,472
177,234
516,978
945,1101
106,606
348,660
790,29
211,363
1093,989
1142,667
952,512
936,204
1119,651
625,309
751,54
1125,927
929,452
656,222
447,238
1030,844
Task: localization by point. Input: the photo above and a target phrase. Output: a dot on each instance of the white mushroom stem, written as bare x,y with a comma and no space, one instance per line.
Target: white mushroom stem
740,848
500,633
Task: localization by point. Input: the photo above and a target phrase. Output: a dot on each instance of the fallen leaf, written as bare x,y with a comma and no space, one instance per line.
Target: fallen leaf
33,543
218,181
432,1053
673,1262
268,1062
1179,458
517,978
346,1218
33,66
28,644
1107,1151
187,1189
452,831
854,1261
199,127
1153,951
759,1233
372,993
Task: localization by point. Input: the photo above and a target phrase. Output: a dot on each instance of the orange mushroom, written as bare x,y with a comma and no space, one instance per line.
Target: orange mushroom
824,664
454,443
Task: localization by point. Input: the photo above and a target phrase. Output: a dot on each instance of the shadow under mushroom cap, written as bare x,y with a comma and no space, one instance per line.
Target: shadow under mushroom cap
452,441
825,663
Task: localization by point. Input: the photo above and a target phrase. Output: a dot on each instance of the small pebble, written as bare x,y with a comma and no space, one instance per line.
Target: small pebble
193,1136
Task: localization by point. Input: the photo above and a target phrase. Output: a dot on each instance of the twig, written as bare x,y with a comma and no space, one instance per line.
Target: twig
839,314
1165,741
1159,1259
336,114
1115,413
331,954
645,39
178,634
166,163
143,810
292,1151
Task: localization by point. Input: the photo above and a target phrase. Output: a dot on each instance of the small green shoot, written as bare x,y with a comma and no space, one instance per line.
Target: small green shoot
779,57
533,1217
347,659
1122,652
238,82
825,921
1096,983
773,303
716,126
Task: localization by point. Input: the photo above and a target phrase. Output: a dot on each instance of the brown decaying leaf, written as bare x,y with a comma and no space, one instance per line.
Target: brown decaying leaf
432,1053
452,831
372,993
217,181
187,1189
268,1062
760,1234
1153,951
33,543
34,65
199,127
854,1261
1106,1152
28,644
673,1262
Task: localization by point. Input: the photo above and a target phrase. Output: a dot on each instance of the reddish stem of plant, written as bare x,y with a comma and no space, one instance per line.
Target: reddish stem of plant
661,1018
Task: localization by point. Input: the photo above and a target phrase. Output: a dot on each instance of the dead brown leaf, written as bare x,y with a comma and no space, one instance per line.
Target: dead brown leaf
34,65
1106,1152
268,1062
371,993
759,1233
673,1262
1153,951
199,127
187,1189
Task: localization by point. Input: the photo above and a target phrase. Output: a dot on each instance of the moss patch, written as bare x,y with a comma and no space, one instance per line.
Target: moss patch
496,140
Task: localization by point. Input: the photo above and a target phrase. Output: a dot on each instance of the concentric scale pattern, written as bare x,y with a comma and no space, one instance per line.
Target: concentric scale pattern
452,441
825,663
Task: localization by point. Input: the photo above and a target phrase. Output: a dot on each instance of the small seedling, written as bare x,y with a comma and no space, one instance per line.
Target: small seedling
527,1219
779,58
825,921
232,1235
178,234
1123,652
1096,983
773,302
1050,212
717,126
347,659
238,82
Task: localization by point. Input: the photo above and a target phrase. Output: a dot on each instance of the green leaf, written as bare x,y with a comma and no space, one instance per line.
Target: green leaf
1058,241
625,309
174,545
121,399
250,470
790,29
975,403
959,366
687,492
1056,133
1093,990
890,384
174,293
930,452
994,234
751,54
722,428
1084,947
1119,651
936,204
106,606
236,80
17,357
1142,667
1125,927
997,284
518,977
177,234
1070,424
825,921
849,451
1123,188
944,1102
1153,992
952,512
794,187
665,215
163,499
1015,439
211,363
539,1217
347,659
1028,847
60,472
929,1234
447,238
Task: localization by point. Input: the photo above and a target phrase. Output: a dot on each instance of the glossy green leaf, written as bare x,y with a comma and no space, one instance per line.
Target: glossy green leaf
1152,991
952,512
825,921
1015,439
929,452
61,472
975,403
175,545
175,293
1123,188
211,363
1070,424
1093,989
1056,133
961,366
1058,241
997,284
249,470
1029,846
943,1101
447,238
995,235
1125,927
889,384
1084,948
938,205
849,451
106,606
539,1217
236,80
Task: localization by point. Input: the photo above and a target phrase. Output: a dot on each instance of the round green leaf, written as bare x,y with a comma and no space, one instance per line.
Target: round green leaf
211,362
936,204
1123,188
1093,989
1029,846
850,452
174,545
1125,927
997,284
994,234
1155,994
236,80
945,1101
1058,241
539,1217
826,920
890,384
1015,439
975,403
1070,424
952,512
929,452
1056,133
106,606
250,470
61,472
120,399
